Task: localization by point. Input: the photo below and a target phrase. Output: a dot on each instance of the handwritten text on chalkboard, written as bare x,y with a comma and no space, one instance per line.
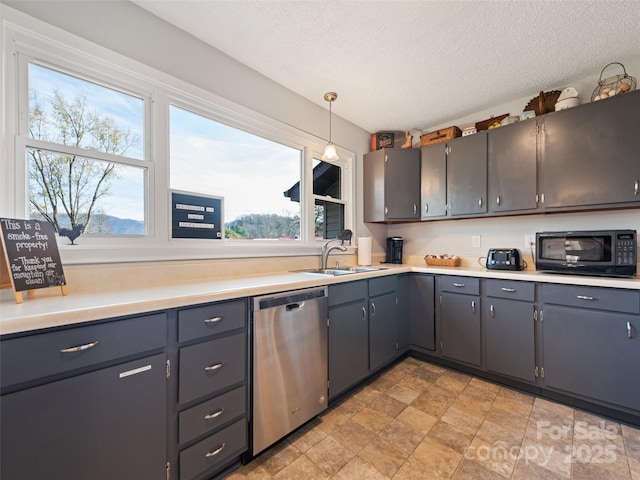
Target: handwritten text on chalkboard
32,254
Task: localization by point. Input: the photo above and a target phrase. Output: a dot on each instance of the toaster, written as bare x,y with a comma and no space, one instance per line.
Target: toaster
504,259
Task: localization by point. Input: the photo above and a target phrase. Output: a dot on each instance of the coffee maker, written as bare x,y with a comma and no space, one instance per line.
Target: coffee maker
394,250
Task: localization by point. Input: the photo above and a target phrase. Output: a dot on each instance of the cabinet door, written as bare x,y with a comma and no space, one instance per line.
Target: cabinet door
421,311
104,425
509,330
592,353
402,184
460,324
590,154
348,346
403,327
467,175
433,181
512,165
382,330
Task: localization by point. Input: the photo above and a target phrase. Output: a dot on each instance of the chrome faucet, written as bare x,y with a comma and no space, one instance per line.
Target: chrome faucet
326,250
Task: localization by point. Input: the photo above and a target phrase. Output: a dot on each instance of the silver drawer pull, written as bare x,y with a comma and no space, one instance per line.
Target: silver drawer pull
492,311
215,414
636,189
586,297
212,368
629,329
473,306
364,313
459,285
79,348
510,290
215,452
214,319
373,309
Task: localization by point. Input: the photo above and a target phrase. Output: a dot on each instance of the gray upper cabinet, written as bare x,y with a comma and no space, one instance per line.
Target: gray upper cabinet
512,166
467,175
392,185
433,184
590,154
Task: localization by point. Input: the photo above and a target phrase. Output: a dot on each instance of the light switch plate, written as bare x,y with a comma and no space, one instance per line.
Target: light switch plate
475,241
529,242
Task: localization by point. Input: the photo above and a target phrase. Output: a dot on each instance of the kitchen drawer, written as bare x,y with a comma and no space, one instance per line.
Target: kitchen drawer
381,285
43,354
213,451
455,284
198,322
347,292
208,367
209,415
512,290
598,298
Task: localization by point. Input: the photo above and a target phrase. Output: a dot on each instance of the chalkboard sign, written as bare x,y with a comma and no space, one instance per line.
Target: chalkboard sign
31,255
195,216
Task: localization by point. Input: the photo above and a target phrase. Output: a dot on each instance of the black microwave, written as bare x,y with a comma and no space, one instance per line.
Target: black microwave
598,252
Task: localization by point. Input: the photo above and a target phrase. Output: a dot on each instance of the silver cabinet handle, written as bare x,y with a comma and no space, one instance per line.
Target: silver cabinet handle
510,290
79,348
364,313
586,297
215,452
415,209
629,329
373,309
386,210
459,285
498,200
636,188
480,202
215,414
473,306
426,207
212,368
214,319
491,310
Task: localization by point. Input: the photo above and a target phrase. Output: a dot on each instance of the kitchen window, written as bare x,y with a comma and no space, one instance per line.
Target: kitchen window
260,180
84,149
98,141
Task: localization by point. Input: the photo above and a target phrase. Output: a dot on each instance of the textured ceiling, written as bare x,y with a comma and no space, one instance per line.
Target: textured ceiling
412,64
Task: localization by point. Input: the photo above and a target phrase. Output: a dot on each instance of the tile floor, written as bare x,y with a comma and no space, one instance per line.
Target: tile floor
417,420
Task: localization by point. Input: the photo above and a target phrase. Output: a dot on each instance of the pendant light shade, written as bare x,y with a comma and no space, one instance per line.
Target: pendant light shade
330,153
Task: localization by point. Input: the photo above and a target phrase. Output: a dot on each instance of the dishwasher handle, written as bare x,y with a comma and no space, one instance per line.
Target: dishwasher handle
294,307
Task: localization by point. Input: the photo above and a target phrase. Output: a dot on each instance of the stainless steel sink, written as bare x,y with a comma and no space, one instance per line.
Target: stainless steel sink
343,270
364,269
329,271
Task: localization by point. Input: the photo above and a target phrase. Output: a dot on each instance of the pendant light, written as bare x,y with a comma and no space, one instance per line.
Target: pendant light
330,153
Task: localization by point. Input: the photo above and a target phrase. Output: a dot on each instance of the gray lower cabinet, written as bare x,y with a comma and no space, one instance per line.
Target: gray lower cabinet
590,154
363,330
509,328
391,185
458,312
383,321
591,339
348,336
86,402
467,175
512,167
212,388
421,290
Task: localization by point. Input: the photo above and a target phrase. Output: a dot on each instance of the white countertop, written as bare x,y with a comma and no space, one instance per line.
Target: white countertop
53,311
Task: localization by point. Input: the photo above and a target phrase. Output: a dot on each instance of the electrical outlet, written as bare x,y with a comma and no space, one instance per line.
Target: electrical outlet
529,242
475,241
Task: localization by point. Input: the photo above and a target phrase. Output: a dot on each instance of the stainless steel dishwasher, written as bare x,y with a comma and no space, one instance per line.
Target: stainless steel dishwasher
290,372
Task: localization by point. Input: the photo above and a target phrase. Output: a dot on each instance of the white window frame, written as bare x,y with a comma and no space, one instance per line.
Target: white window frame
59,50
